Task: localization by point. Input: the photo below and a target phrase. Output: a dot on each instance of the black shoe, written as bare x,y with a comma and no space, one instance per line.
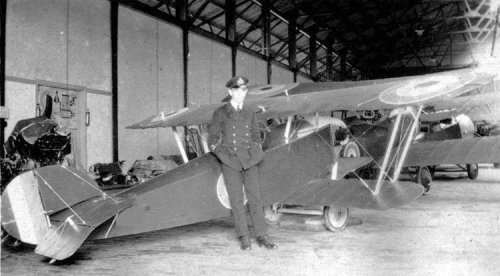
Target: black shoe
266,242
245,243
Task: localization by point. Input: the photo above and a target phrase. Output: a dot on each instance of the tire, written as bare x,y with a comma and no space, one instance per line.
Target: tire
335,218
424,178
270,216
496,165
472,171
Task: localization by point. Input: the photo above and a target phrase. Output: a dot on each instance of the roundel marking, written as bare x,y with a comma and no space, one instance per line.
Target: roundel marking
351,150
222,193
424,88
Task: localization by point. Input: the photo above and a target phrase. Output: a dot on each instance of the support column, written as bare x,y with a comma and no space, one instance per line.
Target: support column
3,23
312,55
181,15
230,8
114,76
343,64
292,44
495,34
266,11
329,58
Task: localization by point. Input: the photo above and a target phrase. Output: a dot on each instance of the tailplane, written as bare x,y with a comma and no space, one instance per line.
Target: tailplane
56,208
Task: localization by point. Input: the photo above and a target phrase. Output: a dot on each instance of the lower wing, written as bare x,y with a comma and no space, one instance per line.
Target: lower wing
354,193
469,150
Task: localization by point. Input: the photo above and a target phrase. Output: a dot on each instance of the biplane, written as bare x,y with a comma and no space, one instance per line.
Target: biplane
308,162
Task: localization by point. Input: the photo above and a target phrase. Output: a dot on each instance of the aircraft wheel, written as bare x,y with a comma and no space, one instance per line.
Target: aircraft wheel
496,165
336,218
271,215
472,171
424,178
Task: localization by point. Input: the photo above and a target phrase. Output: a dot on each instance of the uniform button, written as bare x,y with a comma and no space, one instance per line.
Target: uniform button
247,134
235,149
234,127
234,134
234,141
246,126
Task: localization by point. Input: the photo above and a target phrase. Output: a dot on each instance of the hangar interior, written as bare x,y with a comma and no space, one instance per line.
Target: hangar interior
125,60
105,65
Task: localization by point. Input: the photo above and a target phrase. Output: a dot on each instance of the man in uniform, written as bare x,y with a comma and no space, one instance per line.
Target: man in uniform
235,139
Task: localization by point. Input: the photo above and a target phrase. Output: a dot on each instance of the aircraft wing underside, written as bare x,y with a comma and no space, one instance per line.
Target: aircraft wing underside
454,151
352,193
347,165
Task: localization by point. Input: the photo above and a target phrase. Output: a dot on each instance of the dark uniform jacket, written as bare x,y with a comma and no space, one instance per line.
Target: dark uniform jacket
235,137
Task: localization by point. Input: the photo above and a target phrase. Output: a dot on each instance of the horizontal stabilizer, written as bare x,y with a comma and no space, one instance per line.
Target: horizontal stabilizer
347,165
61,186
32,196
469,150
71,227
352,193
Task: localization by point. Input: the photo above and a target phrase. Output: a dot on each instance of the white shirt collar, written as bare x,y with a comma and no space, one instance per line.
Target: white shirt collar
236,106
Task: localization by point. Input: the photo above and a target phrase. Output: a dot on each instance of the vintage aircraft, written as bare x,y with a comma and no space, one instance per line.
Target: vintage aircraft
307,163
372,130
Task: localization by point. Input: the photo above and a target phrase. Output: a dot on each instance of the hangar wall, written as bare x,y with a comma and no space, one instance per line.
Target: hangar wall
65,43
68,43
209,69
254,69
149,81
281,75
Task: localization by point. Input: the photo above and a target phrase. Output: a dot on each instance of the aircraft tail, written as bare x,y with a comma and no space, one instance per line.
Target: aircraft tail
56,208
70,230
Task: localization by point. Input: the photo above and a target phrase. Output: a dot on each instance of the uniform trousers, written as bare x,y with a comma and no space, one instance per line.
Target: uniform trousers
234,180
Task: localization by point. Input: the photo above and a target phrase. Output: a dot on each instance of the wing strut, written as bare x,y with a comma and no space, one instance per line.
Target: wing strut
177,136
390,146
203,140
287,129
382,173
414,126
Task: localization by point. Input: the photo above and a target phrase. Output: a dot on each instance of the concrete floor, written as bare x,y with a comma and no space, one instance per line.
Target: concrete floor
455,230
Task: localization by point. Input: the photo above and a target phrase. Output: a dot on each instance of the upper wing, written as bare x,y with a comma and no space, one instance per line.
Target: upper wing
483,102
306,98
